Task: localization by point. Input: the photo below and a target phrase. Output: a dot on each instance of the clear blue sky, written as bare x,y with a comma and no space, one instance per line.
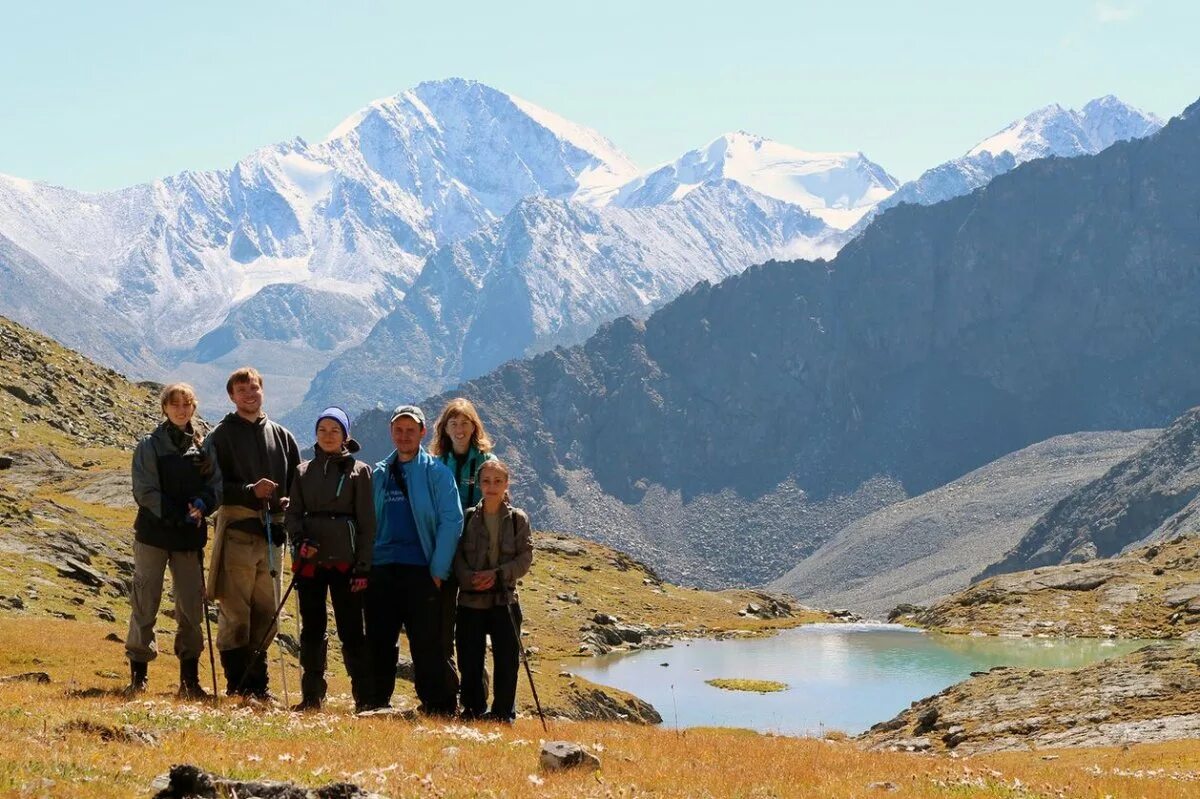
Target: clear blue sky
98,95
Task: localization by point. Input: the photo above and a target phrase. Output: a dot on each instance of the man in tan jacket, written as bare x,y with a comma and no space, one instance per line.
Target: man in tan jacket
257,459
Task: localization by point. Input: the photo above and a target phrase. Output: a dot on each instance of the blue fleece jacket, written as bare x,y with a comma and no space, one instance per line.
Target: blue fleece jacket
433,495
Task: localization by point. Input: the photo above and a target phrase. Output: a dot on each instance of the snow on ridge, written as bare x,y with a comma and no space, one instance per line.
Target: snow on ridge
584,138
838,187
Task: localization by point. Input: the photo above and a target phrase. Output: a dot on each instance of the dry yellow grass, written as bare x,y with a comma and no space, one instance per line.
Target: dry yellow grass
40,757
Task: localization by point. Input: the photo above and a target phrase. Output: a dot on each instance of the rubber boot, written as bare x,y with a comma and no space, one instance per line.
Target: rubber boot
189,680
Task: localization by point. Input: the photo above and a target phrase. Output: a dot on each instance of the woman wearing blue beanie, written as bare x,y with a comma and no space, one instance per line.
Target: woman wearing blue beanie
331,524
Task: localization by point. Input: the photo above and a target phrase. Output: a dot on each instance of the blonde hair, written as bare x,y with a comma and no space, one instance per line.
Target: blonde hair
459,406
176,389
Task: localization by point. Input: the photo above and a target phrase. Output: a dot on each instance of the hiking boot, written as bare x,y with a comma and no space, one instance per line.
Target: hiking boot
307,704
189,680
138,680
233,662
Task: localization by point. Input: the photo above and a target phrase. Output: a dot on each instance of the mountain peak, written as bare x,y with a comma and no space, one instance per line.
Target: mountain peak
838,187
1054,130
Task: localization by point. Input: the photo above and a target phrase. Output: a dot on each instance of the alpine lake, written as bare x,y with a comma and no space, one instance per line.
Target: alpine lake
842,677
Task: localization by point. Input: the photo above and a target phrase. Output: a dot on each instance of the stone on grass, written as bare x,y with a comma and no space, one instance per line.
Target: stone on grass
27,676
192,782
558,755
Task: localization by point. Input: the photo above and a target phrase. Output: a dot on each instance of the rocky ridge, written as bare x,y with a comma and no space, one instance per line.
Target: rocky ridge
1150,592
1150,695
1152,495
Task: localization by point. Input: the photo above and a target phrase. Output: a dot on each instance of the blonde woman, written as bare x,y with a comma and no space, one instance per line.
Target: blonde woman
460,442
176,484
496,550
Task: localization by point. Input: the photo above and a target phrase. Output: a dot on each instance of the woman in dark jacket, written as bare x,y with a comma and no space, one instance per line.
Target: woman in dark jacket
496,550
175,484
331,524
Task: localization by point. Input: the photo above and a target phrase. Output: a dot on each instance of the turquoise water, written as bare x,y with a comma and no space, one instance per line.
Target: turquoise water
839,676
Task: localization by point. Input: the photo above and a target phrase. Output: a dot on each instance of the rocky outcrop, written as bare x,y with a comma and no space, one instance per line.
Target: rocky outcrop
1058,298
1150,495
1150,695
1150,592
44,384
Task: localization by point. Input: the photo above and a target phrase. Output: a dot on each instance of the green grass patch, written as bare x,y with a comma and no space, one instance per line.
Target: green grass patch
757,686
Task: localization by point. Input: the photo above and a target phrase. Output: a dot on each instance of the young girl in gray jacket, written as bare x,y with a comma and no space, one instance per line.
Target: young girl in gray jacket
495,551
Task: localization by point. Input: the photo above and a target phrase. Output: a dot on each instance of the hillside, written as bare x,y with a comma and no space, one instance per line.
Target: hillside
1149,592
736,429
930,545
1149,496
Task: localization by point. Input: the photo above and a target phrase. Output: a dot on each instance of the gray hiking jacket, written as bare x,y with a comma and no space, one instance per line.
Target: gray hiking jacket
516,556
332,505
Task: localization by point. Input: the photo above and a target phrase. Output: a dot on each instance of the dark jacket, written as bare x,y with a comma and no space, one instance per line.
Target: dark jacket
516,556
332,506
247,452
168,475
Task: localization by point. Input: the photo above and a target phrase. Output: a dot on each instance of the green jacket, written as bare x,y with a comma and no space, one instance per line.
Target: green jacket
466,473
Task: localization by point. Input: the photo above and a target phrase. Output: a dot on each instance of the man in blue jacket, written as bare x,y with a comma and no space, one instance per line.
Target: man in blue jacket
418,524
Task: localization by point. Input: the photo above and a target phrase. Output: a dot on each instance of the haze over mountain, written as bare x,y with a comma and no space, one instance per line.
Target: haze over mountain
723,435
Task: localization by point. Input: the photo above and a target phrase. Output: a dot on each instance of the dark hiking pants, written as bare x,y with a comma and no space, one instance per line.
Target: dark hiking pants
348,617
402,596
473,626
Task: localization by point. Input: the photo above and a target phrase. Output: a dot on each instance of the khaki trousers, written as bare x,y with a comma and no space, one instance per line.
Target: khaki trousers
149,566
246,591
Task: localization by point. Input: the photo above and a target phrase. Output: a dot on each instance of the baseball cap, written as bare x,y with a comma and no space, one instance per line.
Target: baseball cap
412,411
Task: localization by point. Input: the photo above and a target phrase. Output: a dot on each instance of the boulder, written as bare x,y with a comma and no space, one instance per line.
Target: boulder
558,755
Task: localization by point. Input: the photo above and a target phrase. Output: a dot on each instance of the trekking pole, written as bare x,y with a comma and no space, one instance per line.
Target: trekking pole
274,571
212,658
299,667
512,617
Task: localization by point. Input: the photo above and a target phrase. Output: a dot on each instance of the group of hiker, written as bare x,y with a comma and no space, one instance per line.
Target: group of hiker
425,541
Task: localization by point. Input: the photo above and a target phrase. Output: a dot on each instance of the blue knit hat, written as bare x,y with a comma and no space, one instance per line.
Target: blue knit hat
338,415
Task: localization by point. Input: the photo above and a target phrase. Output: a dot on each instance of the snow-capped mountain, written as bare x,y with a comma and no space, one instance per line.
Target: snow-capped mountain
1049,131
550,274
296,253
835,187
351,218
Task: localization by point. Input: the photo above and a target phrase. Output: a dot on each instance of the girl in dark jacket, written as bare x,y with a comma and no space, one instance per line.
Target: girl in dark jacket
496,550
175,484
331,523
